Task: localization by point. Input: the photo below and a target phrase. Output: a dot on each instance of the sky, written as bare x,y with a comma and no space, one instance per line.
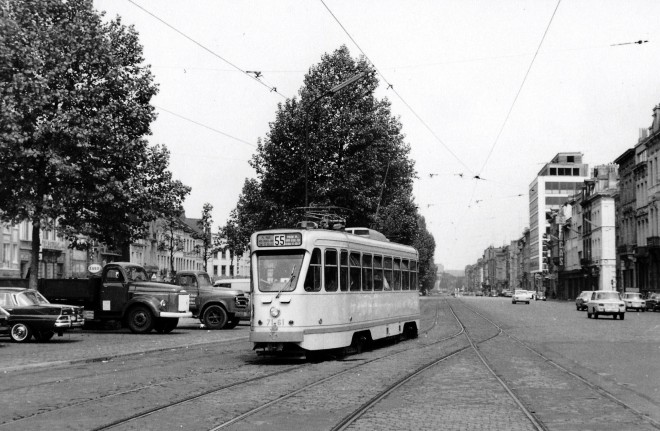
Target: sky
487,92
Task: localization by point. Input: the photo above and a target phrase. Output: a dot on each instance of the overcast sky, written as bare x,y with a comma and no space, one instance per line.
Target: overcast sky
469,103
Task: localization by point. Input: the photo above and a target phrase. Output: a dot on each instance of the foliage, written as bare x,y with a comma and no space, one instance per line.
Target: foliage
74,110
425,245
207,248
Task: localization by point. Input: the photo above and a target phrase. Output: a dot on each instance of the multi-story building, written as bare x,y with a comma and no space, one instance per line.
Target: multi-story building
648,209
559,179
222,265
626,224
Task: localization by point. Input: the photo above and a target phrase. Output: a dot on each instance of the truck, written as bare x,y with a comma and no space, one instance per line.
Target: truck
216,308
122,293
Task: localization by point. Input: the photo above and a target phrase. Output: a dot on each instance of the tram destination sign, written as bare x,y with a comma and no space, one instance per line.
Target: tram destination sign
279,239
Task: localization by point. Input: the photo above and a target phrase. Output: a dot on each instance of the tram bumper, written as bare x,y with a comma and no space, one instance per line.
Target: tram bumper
277,337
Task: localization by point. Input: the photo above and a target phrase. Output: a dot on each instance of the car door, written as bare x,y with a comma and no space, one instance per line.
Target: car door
114,293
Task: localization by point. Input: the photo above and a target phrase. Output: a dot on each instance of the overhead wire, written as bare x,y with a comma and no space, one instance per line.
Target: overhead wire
272,89
391,87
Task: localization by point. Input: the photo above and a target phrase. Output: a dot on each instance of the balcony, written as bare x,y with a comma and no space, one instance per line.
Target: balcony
653,242
625,249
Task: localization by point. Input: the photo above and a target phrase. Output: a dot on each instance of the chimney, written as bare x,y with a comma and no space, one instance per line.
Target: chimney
656,119
643,134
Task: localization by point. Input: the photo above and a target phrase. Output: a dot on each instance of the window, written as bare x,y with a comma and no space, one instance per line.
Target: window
576,172
215,269
405,275
387,265
223,270
355,270
313,279
413,275
343,271
331,270
367,272
397,273
570,159
378,272
553,171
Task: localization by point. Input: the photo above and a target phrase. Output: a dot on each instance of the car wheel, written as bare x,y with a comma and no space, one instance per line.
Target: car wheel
527,302
165,325
588,315
20,333
140,320
215,317
622,315
595,315
42,336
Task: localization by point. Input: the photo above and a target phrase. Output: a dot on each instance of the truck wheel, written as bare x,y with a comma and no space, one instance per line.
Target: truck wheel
140,320
232,323
20,333
215,317
165,325
42,336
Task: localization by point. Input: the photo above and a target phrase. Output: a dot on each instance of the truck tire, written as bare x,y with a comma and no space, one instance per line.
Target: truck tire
20,333
140,320
232,323
165,325
215,317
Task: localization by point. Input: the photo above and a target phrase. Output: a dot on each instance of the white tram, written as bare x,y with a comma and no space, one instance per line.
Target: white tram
323,289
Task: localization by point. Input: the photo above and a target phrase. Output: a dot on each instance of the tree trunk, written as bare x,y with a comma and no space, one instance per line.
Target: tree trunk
34,255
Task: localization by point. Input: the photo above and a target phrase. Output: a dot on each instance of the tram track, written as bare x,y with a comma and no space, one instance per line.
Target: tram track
595,387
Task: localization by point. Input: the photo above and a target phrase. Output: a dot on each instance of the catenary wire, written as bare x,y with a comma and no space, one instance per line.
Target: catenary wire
391,87
522,84
270,88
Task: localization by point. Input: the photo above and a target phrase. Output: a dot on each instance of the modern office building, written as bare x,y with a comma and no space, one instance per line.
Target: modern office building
559,179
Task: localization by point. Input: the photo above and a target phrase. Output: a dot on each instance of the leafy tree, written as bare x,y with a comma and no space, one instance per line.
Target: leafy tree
74,110
170,240
425,245
355,151
207,249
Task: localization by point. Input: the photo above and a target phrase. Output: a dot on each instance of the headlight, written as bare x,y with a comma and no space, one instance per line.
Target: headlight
163,303
274,311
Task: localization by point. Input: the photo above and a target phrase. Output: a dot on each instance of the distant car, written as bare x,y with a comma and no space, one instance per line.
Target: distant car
507,293
479,293
31,315
606,302
634,301
653,301
521,296
581,300
539,296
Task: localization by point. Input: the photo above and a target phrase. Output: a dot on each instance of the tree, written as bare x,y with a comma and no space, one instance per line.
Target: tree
74,110
425,245
207,249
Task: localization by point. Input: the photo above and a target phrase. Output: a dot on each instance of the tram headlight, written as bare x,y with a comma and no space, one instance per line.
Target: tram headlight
274,311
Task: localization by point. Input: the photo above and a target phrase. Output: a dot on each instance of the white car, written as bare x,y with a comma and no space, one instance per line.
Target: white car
634,301
521,296
606,302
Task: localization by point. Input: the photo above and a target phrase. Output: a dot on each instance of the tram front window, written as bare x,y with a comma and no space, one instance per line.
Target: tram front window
278,272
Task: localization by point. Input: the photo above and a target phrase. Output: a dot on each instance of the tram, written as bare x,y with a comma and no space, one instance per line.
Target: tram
330,289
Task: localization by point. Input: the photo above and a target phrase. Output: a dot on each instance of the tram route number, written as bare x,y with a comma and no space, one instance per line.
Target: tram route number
274,322
279,240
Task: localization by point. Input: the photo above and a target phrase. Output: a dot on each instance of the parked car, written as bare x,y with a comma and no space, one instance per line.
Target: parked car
634,301
521,296
581,300
31,315
606,302
4,321
540,296
653,301
506,293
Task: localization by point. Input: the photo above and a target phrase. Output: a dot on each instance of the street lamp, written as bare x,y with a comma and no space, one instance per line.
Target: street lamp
330,92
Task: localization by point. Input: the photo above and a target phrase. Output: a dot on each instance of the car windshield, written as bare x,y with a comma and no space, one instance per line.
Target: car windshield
278,272
204,280
607,295
136,273
30,297
633,295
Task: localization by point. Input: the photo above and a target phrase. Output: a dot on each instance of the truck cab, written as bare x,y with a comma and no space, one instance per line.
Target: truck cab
215,307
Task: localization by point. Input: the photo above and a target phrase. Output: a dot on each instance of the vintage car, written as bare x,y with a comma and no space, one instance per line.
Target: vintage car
4,322
521,296
634,301
653,301
540,296
31,315
606,302
581,300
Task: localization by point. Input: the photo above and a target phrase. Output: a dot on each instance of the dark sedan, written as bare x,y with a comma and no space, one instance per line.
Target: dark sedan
653,302
4,322
31,315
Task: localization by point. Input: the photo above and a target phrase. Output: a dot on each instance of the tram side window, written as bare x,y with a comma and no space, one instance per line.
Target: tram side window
331,270
378,272
313,279
397,274
355,272
387,266
405,275
367,273
413,275
343,271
